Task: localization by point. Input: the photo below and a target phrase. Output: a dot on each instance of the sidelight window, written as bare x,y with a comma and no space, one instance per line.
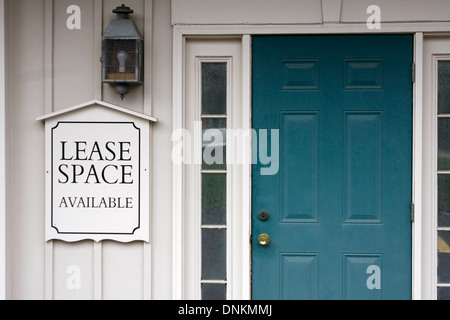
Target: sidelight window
214,176
443,180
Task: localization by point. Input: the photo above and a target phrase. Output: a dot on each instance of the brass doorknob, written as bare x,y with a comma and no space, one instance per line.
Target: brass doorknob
264,239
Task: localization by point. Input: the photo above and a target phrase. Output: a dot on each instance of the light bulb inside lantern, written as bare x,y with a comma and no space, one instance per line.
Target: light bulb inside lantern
122,56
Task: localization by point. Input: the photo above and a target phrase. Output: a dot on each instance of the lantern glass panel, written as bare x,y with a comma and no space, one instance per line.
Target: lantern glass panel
122,61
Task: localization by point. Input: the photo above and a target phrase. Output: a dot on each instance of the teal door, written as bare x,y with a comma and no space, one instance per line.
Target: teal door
337,206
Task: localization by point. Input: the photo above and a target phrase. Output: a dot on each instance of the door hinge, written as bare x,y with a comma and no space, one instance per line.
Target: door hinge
413,73
413,209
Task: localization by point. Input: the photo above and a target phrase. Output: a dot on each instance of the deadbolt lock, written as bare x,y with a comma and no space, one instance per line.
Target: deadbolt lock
264,239
263,215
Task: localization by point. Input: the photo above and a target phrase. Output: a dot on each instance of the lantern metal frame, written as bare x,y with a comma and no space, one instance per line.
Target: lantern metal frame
122,52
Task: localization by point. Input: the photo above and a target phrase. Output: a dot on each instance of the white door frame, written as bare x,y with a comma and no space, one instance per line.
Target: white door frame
436,48
417,182
181,32
179,174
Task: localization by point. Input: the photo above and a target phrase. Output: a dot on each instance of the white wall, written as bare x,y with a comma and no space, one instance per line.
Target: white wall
52,68
397,10
2,153
245,11
305,11
162,154
26,202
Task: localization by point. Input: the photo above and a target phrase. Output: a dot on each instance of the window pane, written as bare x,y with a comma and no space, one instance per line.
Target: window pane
444,144
213,291
444,200
444,86
214,199
214,254
443,256
443,293
214,144
214,88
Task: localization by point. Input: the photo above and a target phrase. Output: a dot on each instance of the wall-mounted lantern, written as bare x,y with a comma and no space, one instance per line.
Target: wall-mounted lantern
122,52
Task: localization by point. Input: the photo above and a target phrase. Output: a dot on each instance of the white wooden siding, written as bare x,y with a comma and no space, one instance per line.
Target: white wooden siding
54,68
305,11
3,256
50,68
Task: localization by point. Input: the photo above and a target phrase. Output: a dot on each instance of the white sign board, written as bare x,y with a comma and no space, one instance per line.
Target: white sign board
97,178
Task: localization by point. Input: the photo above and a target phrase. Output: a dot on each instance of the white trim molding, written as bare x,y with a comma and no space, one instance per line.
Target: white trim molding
101,103
246,174
342,28
178,188
417,169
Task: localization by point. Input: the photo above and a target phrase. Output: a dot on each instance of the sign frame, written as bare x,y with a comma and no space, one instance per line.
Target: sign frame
86,214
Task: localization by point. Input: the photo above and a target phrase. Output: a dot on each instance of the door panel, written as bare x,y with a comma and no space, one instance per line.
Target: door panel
339,204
